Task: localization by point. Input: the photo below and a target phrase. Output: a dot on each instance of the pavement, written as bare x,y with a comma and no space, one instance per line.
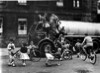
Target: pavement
76,65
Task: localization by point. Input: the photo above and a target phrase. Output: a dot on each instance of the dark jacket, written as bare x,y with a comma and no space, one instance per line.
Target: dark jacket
23,49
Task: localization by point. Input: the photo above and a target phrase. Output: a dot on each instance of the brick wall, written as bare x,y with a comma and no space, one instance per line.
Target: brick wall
11,13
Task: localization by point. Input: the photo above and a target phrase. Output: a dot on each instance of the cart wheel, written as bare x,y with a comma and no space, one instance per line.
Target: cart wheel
83,56
35,56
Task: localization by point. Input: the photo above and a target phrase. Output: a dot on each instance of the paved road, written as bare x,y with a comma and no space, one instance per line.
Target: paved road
69,66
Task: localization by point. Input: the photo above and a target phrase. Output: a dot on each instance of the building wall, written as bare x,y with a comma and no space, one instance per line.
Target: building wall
12,11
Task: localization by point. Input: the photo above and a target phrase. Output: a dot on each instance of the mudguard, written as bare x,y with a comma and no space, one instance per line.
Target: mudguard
45,41
96,44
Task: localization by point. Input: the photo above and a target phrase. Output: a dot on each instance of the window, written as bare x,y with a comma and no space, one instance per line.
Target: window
22,26
98,7
22,2
3,4
76,3
59,3
1,25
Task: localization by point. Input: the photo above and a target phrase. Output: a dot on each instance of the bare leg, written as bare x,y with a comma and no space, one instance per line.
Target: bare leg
23,61
13,62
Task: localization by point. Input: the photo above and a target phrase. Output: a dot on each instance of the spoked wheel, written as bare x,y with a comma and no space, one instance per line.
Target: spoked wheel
70,56
67,55
17,56
35,56
83,55
93,58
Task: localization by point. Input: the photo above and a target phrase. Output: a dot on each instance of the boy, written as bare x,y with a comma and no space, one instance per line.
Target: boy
11,47
58,54
78,47
49,56
31,49
65,48
87,44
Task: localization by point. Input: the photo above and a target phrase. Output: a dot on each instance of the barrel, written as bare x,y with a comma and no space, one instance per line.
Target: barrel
80,28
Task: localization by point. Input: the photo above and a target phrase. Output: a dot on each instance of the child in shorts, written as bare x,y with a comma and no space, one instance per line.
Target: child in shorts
31,49
58,54
65,48
78,47
11,48
49,56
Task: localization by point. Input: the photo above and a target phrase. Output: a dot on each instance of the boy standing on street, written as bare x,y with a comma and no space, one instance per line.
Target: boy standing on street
11,48
49,56
31,49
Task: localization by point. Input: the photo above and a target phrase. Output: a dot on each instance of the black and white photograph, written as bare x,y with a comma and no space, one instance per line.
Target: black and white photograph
49,36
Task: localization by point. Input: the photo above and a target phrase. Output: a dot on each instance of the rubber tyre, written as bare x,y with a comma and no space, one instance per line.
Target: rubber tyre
93,60
83,56
69,55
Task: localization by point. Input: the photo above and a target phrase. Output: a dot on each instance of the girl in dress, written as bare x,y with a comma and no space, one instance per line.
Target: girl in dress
23,54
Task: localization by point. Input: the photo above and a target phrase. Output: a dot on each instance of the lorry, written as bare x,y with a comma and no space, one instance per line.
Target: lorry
73,30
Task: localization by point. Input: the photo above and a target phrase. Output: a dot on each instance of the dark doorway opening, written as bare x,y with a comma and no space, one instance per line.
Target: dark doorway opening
98,18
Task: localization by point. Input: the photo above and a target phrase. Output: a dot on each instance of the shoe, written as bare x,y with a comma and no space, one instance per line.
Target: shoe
47,65
13,65
58,64
9,64
24,64
61,59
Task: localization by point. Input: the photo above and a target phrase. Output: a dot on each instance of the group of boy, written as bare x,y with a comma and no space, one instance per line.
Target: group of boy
23,52
59,54
87,42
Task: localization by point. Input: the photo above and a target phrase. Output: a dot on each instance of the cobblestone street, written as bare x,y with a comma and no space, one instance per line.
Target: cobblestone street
76,65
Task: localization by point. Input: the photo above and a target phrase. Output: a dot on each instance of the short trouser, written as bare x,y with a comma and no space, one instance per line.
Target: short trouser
10,55
49,56
57,55
88,48
78,49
